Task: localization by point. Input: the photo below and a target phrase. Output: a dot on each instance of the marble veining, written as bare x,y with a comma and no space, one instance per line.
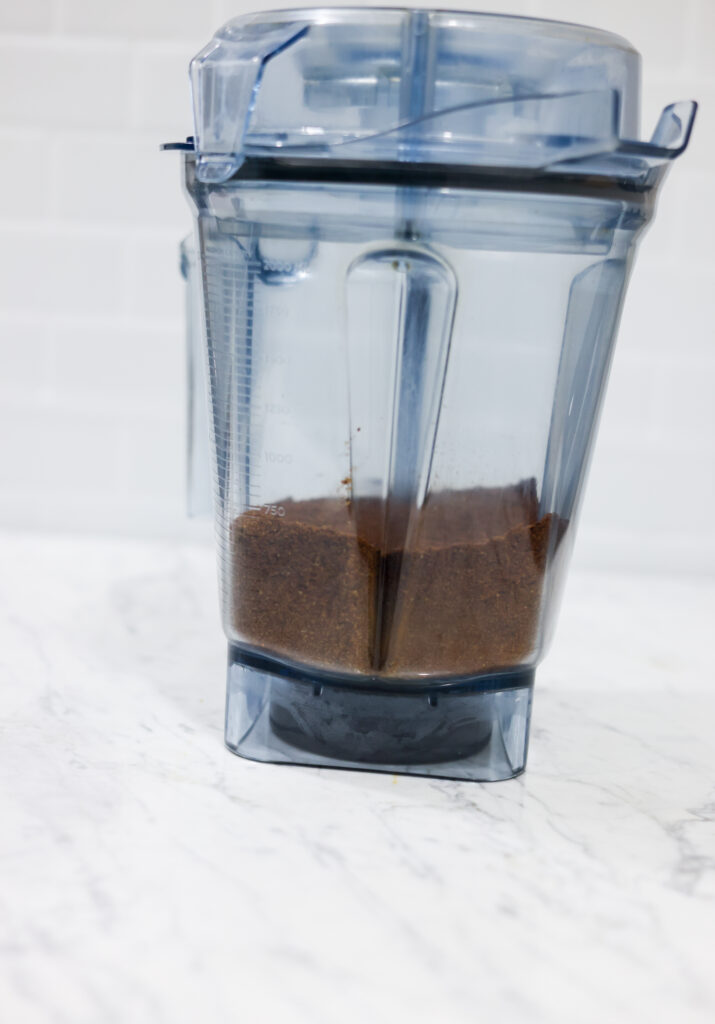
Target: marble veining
147,875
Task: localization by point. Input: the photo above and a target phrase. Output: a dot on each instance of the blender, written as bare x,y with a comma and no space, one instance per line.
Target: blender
414,230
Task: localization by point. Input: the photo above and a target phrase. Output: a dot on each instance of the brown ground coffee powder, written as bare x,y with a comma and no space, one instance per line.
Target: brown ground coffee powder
461,596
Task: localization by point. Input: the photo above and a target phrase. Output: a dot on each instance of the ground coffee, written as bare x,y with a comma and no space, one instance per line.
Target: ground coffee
320,585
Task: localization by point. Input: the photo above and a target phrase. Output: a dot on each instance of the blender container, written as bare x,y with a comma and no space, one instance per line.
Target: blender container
415,229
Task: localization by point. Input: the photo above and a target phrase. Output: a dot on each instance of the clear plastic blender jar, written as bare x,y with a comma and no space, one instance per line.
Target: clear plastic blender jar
415,229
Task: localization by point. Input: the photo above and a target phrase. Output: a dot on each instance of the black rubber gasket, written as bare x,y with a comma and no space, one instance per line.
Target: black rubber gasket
431,176
299,170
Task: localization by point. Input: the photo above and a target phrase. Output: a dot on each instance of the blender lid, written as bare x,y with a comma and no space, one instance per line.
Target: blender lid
387,85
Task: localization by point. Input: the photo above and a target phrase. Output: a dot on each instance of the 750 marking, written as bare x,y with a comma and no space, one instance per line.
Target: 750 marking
273,510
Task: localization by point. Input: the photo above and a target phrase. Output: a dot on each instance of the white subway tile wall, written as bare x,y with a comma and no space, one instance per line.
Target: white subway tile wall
91,302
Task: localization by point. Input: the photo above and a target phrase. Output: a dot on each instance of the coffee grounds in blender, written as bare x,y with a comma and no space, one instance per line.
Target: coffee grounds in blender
462,596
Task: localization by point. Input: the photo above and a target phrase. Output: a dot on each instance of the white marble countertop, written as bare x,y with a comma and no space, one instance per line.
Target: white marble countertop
148,875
